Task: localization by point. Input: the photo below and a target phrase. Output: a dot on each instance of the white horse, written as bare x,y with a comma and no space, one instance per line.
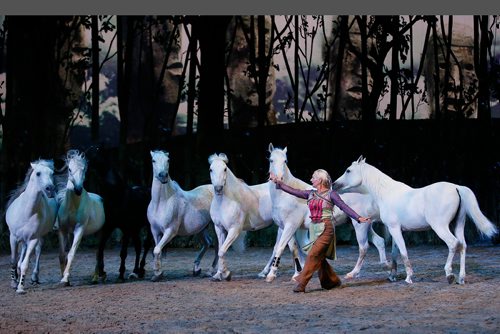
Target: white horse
291,213
31,212
236,207
81,213
173,211
403,208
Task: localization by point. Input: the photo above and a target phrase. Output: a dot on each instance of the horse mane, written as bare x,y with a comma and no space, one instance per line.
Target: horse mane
379,181
62,179
22,187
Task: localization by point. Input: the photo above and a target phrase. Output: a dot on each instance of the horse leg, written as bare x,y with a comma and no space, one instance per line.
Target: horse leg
206,241
36,270
397,236
444,233
286,239
136,240
266,269
459,234
13,262
62,250
24,266
21,257
222,237
99,273
379,243
295,250
123,255
78,234
215,262
394,263
362,238
167,236
148,242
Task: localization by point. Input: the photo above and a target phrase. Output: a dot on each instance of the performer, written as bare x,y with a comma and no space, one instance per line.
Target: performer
320,201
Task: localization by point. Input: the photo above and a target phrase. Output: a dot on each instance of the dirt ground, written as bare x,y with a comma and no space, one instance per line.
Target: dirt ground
181,303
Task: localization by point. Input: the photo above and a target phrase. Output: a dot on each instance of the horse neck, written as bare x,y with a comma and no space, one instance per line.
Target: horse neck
160,191
233,184
293,181
71,196
34,196
377,183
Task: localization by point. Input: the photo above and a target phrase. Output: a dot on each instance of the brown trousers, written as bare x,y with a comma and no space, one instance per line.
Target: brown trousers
316,260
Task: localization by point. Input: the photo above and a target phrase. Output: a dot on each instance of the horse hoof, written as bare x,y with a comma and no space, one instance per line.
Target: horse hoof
270,278
263,273
196,272
37,282
133,276
13,284
157,278
228,277
392,278
20,291
140,273
351,275
461,281
64,283
216,278
450,278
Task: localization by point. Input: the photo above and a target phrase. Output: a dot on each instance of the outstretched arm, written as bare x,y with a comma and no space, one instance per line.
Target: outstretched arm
337,200
292,191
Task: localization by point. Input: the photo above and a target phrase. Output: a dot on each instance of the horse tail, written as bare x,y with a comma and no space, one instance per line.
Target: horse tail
240,245
469,202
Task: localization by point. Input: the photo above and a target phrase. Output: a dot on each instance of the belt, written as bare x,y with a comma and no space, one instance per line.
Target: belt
324,220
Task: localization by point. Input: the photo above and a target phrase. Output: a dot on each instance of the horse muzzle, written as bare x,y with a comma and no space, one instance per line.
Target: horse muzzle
337,185
50,191
78,191
218,190
162,177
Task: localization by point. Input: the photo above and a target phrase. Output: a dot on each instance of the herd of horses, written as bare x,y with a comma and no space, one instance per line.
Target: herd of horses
50,199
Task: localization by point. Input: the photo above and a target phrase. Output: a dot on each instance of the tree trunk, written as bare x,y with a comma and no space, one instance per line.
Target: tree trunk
211,32
95,80
44,80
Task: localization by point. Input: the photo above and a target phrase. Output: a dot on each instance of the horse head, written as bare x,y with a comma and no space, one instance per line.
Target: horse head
161,164
277,161
218,171
42,175
352,177
77,168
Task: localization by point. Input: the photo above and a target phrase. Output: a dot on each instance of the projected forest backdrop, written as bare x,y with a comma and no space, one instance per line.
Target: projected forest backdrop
416,95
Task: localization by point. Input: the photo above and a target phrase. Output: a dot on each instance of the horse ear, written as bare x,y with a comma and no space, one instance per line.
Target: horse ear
151,152
224,157
364,159
284,150
32,165
271,147
360,159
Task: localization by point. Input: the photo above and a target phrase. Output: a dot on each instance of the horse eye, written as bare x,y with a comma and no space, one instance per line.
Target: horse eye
348,171
37,173
225,169
271,160
210,170
153,161
286,161
70,170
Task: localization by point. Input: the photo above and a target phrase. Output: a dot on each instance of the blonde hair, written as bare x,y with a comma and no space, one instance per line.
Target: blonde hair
325,178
